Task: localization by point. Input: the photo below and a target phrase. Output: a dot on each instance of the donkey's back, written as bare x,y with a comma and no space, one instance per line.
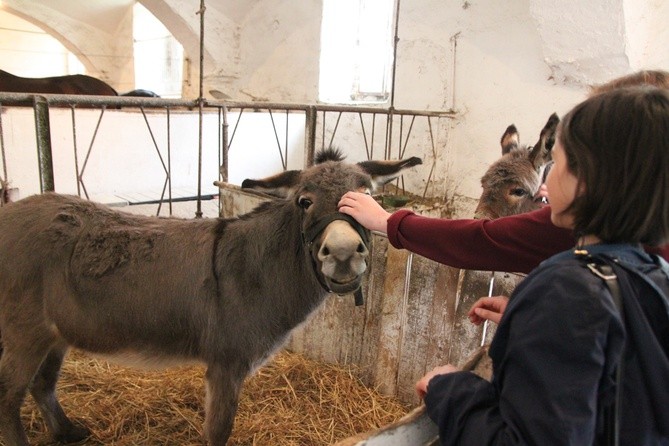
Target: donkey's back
82,269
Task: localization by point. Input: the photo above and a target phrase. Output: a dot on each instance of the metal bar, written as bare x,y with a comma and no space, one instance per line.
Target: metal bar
371,152
485,324
224,146
155,143
80,175
334,131
278,144
200,103
330,108
2,149
110,101
434,158
169,157
364,135
310,118
406,141
239,117
396,39
43,137
323,131
17,99
76,152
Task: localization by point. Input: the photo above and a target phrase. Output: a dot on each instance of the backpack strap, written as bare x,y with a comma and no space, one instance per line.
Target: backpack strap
651,357
612,420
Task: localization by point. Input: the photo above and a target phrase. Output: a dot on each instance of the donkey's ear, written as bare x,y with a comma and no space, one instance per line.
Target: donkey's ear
383,172
541,152
279,185
510,139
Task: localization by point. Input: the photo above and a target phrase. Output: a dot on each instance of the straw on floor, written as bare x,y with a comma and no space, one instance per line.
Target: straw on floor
292,401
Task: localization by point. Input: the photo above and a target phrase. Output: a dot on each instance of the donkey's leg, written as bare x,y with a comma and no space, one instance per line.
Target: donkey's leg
223,386
44,392
18,366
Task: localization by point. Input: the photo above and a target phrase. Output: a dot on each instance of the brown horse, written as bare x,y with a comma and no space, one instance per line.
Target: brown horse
70,84
511,183
226,292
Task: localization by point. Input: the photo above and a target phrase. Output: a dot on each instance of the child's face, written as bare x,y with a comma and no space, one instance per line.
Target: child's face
562,186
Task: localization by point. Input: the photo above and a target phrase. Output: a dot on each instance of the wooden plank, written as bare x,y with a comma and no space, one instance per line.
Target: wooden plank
374,301
442,317
388,345
415,330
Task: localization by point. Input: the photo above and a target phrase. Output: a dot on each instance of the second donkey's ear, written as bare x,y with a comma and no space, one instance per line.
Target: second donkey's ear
383,172
541,152
279,185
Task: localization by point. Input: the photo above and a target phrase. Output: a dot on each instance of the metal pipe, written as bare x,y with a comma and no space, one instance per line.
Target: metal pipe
485,324
22,99
311,118
224,147
43,137
200,103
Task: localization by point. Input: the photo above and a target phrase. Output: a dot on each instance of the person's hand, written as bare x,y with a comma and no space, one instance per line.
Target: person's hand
365,210
421,385
488,308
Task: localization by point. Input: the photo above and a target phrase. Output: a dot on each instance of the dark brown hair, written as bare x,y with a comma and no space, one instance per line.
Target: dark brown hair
658,78
617,145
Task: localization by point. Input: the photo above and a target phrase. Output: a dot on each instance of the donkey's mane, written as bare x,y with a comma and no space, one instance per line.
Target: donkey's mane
329,154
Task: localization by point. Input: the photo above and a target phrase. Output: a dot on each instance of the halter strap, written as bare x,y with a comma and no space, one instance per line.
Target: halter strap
310,234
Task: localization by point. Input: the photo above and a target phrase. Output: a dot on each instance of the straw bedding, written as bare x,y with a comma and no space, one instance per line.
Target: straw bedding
291,401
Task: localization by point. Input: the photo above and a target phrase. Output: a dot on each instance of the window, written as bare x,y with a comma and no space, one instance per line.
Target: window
356,50
158,55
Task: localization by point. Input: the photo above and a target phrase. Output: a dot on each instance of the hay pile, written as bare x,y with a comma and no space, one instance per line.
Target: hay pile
291,401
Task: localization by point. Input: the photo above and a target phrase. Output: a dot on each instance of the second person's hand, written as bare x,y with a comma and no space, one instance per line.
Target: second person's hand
488,308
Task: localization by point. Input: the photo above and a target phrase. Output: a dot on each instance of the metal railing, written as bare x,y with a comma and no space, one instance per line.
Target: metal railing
321,125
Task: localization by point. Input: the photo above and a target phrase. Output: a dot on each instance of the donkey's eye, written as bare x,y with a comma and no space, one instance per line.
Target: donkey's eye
518,192
304,202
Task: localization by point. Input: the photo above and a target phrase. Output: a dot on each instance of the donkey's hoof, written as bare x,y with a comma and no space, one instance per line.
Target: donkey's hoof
74,434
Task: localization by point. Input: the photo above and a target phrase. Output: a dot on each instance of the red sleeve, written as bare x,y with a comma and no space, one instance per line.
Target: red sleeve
515,244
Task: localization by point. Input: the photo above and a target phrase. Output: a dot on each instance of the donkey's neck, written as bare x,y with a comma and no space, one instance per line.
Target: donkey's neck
268,242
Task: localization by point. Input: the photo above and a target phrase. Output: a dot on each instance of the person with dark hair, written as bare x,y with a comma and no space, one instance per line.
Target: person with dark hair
571,364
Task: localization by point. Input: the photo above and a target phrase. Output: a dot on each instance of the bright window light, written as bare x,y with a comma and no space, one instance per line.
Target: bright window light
158,55
356,50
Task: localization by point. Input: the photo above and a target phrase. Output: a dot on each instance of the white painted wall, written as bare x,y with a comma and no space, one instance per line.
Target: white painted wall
495,63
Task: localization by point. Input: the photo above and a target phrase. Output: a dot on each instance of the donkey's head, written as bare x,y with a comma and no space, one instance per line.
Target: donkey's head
337,244
511,183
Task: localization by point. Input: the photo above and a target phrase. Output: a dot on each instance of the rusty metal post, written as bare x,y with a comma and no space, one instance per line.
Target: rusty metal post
200,101
224,146
310,120
43,137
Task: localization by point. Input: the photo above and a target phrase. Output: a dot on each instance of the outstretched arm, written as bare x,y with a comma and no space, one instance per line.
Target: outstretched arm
514,244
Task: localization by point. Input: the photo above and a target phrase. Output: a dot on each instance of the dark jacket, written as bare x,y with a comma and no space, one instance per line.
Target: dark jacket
555,354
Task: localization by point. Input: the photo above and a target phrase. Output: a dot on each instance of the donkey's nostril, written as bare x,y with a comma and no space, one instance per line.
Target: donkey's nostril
325,251
361,248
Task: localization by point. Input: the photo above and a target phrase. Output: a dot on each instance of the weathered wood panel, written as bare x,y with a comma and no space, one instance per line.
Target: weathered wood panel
413,319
